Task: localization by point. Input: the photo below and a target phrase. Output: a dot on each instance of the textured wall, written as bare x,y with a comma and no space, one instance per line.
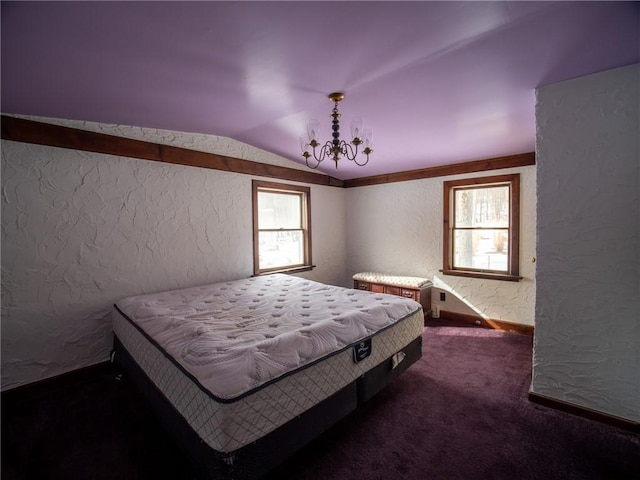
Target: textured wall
587,340
81,230
397,228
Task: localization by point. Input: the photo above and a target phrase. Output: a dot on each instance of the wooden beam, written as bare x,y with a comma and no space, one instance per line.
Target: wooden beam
520,160
29,131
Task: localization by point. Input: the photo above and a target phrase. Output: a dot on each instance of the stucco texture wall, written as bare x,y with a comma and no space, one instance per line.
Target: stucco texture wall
81,230
396,228
586,344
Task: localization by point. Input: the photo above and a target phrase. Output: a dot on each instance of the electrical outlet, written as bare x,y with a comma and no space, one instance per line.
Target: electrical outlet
443,297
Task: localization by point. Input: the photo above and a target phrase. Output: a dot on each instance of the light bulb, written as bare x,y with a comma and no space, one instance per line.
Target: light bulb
356,127
368,138
313,129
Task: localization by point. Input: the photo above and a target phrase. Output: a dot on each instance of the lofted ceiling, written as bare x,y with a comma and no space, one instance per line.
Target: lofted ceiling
437,82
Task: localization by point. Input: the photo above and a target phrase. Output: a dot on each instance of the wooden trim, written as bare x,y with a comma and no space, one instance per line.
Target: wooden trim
487,322
514,226
447,254
305,194
29,131
482,182
513,182
256,233
304,268
585,412
481,274
510,161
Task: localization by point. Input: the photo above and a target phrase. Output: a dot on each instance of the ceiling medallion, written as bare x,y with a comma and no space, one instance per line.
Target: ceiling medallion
336,148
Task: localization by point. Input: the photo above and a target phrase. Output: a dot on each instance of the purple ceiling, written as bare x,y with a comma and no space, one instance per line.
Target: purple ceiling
437,82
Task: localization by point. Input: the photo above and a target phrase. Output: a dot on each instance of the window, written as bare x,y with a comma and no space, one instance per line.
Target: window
281,227
481,227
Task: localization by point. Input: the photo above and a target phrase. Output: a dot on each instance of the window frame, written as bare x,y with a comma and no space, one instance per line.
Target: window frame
305,212
513,259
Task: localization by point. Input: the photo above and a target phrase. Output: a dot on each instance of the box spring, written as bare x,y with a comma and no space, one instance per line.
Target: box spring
256,459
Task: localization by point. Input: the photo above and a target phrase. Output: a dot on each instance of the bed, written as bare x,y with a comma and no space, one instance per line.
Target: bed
246,372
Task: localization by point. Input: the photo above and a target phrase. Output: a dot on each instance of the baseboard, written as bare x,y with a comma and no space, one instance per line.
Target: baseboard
487,322
33,390
584,412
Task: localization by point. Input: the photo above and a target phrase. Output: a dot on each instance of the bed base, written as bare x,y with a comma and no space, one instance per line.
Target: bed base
258,458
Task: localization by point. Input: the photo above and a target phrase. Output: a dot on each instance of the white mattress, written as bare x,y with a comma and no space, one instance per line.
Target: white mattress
238,359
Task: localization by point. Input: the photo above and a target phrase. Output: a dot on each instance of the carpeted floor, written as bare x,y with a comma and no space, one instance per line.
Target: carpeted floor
461,412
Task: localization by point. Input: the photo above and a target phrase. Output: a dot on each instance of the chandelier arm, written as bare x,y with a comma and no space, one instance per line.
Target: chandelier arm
317,162
325,150
363,163
349,151
319,154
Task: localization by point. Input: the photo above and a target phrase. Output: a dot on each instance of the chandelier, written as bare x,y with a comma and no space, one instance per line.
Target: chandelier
336,148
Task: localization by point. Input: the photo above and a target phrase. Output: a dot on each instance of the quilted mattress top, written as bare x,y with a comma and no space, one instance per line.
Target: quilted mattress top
236,336
397,280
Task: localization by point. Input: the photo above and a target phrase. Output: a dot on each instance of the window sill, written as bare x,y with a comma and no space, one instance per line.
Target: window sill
298,269
486,275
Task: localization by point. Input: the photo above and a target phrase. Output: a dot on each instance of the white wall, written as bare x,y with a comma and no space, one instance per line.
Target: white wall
81,230
396,228
587,338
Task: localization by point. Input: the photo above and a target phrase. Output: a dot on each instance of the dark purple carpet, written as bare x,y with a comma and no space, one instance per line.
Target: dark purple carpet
461,412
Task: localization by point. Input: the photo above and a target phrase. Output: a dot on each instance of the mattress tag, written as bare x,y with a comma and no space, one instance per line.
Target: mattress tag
362,350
